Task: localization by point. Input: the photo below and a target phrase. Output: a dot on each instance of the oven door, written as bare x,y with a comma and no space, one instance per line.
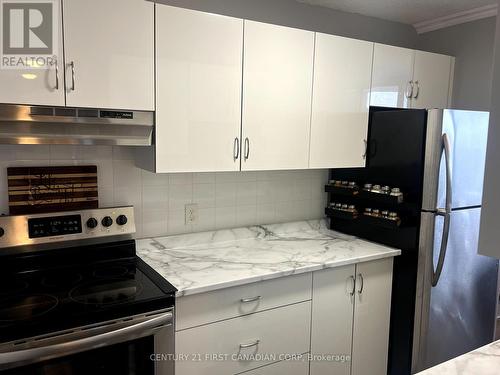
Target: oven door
140,345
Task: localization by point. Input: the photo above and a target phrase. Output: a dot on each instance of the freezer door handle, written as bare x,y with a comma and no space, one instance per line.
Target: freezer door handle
446,213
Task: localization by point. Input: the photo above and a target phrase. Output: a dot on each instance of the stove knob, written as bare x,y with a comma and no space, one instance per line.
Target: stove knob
107,221
121,220
2,232
92,223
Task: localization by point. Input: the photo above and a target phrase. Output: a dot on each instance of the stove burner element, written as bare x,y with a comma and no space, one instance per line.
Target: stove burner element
62,279
113,271
26,307
112,291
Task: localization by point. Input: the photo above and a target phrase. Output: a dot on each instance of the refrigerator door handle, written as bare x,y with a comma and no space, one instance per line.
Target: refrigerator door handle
436,274
446,213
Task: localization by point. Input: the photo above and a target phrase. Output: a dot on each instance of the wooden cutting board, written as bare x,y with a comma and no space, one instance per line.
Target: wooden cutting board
51,189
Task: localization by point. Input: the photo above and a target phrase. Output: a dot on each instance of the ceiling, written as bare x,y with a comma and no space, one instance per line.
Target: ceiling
405,11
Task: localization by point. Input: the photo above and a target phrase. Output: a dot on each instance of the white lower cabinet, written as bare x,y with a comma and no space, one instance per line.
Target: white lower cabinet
240,344
350,318
339,315
288,367
241,300
372,312
332,317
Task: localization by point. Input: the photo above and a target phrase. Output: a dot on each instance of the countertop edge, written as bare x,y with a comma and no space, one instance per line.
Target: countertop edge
293,271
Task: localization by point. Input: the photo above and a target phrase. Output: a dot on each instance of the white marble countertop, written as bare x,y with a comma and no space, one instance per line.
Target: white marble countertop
201,262
482,361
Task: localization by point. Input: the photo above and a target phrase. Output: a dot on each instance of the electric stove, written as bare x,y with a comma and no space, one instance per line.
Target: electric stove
64,273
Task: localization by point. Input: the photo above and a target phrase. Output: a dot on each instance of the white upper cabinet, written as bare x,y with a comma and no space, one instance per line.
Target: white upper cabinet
341,91
109,53
392,76
277,89
40,86
198,90
432,79
407,78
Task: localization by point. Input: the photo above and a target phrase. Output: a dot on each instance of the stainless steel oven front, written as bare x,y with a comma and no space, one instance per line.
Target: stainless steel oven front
135,345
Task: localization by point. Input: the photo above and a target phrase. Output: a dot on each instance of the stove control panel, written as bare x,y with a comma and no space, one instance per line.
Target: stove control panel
36,229
54,226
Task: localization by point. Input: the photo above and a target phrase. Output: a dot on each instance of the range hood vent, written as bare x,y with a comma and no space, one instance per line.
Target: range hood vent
23,124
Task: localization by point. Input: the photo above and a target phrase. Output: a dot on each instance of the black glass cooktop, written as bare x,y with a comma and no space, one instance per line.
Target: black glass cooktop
56,290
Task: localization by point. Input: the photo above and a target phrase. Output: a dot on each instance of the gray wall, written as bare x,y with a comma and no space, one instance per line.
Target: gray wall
472,45
294,14
489,243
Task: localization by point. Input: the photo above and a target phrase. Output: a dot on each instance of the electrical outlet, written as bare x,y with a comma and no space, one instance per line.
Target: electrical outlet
191,213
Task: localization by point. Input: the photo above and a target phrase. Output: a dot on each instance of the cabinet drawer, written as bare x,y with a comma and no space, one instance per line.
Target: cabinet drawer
241,300
300,367
285,330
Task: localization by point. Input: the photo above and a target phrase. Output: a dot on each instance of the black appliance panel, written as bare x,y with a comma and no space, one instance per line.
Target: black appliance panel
395,157
131,357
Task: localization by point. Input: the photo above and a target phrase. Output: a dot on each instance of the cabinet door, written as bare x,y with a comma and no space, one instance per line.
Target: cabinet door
244,343
198,90
341,91
332,318
295,366
227,303
432,77
372,317
110,45
40,86
392,76
277,87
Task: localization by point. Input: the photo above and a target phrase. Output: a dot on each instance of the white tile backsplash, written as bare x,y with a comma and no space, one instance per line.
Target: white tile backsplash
225,199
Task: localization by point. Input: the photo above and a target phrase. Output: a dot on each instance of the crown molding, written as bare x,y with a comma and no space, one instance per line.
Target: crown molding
456,18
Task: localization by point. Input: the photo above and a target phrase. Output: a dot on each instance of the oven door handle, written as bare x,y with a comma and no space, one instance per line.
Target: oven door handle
33,355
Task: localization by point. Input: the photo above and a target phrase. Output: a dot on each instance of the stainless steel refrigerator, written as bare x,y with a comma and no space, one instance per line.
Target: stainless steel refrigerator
456,289
443,294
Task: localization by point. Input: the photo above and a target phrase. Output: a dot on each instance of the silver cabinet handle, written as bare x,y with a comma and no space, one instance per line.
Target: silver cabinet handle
12,359
247,148
366,148
446,213
418,90
409,90
72,65
57,77
353,283
249,345
362,283
251,299
236,149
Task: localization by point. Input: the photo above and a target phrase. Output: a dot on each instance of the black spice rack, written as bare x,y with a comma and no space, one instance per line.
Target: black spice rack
362,199
340,214
342,191
380,222
383,227
381,199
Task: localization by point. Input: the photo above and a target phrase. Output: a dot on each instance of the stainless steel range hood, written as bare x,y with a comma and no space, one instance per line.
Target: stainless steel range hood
23,124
